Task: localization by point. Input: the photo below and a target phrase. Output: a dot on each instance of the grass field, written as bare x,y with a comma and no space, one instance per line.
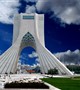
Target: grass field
64,83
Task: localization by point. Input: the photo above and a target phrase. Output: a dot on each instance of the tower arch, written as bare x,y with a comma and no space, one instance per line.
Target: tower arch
28,40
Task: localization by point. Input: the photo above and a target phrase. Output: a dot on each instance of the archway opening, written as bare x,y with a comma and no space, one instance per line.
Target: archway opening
28,61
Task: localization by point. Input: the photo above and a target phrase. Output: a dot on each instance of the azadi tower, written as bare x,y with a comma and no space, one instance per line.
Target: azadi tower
29,31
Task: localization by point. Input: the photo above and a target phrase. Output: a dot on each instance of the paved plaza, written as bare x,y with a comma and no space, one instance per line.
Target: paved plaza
17,77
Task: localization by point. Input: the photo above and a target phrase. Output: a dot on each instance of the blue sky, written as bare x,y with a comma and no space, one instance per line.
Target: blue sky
62,27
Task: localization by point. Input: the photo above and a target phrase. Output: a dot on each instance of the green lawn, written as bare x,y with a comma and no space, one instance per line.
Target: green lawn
64,83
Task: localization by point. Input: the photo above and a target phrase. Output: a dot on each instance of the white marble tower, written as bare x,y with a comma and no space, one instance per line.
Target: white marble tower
29,31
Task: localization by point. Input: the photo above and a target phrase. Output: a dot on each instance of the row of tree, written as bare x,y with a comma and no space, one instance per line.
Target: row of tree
53,71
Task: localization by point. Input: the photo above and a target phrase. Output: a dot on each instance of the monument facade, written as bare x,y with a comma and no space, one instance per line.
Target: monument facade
29,31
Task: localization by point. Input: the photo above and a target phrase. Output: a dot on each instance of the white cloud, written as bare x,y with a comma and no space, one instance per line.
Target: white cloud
7,10
44,6
35,65
67,10
33,54
70,15
30,0
24,56
37,60
30,56
77,51
69,56
30,9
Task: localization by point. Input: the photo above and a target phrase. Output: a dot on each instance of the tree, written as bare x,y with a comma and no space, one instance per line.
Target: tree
53,71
